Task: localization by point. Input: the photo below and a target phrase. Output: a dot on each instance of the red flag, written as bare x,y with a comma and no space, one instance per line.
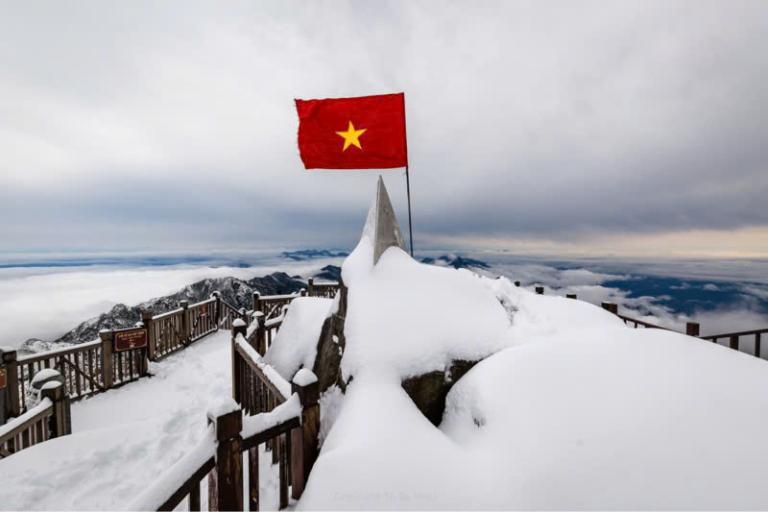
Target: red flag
367,132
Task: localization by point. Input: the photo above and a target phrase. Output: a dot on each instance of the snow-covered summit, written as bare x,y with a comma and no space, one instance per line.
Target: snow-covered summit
567,408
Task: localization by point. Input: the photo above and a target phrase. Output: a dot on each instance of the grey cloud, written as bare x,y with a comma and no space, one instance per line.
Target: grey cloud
541,120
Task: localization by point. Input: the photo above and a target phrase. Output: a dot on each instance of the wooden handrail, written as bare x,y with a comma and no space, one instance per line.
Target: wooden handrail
41,356
267,375
184,476
731,334
26,421
637,322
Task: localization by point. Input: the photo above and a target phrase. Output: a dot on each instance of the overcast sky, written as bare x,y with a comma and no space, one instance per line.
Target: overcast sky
575,127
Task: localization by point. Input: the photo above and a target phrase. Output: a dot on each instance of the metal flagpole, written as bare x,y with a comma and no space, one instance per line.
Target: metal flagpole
408,190
407,178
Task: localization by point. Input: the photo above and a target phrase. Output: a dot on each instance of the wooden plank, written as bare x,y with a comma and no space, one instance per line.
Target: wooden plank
283,470
194,497
253,478
186,488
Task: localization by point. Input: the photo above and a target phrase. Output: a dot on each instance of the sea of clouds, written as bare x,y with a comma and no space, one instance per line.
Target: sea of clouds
47,301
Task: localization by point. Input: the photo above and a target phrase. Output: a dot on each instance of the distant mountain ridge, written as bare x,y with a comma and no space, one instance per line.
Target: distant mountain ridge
237,292
452,260
308,254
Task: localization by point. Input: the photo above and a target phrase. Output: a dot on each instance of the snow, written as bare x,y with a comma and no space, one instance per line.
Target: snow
410,318
126,439
304,377
238,322
174,477
295,345
221,407
614,419
45,374
51,384
282,384
253,425
569,408
8,427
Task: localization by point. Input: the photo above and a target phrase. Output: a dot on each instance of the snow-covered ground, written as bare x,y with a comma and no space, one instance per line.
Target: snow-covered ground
124,438
568,408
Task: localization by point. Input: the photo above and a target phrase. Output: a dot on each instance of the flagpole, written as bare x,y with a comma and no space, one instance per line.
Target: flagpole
407,178
408,191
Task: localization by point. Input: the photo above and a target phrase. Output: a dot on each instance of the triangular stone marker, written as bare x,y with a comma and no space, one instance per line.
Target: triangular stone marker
386,231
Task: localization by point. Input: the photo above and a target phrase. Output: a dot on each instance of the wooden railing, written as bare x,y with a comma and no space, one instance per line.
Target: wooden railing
167,333
229,314
272,305
122,356
80,365
48,419
256,386
734,339
693,329
290,427
327,290
99,365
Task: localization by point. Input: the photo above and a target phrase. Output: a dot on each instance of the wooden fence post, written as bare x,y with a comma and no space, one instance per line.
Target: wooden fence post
4,399
611,307
243,316
692,328
304,447
225,483
570,296
311,286
9,366
259,338
539,290
146,319
303,292
236,366
107,373
217,316
185,334
61,420
256,301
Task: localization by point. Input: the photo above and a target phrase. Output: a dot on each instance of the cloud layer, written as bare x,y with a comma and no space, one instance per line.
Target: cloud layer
142,125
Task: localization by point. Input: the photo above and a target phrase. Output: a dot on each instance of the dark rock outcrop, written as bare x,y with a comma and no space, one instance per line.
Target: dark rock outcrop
330,346
428,391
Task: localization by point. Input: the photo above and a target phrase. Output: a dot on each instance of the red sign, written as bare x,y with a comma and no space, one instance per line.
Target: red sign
130,339
3,378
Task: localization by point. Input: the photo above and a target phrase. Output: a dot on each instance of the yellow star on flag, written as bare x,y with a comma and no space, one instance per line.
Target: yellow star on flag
351,136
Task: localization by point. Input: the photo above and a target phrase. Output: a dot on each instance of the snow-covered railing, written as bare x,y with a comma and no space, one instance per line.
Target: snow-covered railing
79,365
327,290
256,386
48,419
291,427
93,367
272,305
